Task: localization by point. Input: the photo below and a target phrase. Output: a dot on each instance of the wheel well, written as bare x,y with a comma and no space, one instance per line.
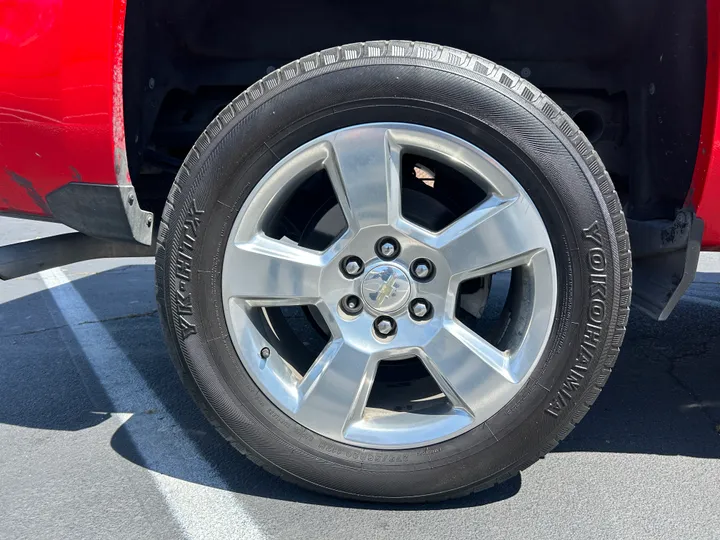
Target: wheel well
631,74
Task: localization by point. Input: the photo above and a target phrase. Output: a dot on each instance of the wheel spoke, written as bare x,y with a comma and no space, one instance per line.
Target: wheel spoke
335,388
270,272
497,235
364,168
468,369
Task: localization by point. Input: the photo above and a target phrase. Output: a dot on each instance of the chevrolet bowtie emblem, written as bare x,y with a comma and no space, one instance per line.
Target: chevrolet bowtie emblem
385,290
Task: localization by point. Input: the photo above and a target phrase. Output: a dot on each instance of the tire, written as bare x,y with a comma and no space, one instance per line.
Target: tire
470,98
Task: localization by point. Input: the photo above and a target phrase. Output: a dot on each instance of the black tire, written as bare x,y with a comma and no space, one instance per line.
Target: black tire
456,92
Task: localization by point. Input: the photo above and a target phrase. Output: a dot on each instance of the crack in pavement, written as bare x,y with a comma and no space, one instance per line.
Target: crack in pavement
703,348
109,319
692,350
696,398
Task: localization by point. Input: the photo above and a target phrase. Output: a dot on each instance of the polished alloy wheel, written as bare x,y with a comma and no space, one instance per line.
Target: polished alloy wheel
404,291
387,289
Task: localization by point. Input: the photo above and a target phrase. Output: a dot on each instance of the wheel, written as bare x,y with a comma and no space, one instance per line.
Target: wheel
393,271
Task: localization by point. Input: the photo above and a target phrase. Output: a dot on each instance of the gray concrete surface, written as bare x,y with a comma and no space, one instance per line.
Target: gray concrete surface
99,440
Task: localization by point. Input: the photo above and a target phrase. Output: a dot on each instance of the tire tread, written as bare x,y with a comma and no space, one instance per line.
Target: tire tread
528,94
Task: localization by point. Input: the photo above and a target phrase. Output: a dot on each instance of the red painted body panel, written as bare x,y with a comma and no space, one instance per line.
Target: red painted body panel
705,192
61,105
60,98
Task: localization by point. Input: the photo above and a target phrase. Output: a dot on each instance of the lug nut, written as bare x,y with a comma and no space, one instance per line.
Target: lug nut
352,266
422,269
384,326
420,309
351,304
387,248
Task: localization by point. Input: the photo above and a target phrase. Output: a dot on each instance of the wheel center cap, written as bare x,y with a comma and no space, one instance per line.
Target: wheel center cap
386,288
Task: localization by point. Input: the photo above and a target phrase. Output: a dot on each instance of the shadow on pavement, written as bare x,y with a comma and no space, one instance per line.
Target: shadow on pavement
664,397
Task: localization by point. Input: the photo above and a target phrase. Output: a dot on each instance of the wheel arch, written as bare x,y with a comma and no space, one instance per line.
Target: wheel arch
642,76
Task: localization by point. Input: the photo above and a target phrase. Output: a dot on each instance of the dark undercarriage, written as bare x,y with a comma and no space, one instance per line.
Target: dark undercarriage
631,74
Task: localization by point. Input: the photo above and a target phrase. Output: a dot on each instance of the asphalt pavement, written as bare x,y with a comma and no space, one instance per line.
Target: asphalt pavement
98,438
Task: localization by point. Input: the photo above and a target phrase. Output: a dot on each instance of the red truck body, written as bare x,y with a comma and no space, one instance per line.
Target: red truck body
704,193
61,106
61,110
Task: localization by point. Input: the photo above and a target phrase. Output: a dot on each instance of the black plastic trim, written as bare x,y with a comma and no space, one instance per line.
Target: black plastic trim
665,259
108,212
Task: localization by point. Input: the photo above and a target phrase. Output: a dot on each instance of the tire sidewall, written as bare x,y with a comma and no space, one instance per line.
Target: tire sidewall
473,108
